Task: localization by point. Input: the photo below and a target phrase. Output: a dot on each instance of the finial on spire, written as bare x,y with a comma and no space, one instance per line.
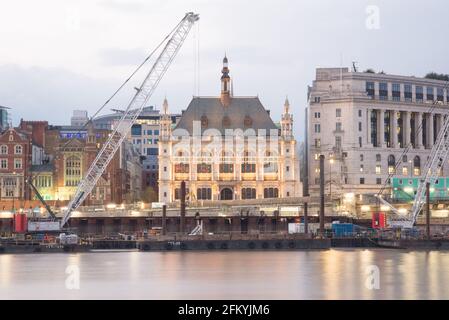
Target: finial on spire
286,105
165,106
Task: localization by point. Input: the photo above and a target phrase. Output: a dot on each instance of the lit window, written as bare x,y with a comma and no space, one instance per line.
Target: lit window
378,169
404,171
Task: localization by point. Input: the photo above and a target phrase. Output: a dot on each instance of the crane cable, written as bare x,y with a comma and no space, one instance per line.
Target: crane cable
66,144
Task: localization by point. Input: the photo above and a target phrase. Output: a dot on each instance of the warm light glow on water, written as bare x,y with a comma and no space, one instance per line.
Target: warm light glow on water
331,274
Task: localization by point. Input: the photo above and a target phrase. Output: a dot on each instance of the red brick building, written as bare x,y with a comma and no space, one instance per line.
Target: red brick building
15,163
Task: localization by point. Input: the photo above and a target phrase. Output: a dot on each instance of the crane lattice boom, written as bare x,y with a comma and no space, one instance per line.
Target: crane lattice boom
131,113
434,164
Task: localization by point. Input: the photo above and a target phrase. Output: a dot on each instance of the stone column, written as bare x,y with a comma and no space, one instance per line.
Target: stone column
381,130
394,130
418,130
440,122
368,126
430,130
407,128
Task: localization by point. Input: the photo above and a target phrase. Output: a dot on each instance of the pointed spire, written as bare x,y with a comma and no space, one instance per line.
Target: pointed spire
225,83
165,106
286,105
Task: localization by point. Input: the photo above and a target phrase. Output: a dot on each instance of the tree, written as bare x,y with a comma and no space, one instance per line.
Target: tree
150,195
437,76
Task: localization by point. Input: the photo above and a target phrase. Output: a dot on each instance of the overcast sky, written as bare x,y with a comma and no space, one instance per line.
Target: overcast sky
56,56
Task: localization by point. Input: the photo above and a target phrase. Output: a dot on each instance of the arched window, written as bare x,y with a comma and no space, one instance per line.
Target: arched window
72,171
4,149
18,149
417,166
391,164
248,193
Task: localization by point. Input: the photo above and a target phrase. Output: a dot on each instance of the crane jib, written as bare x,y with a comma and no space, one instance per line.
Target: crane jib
131,113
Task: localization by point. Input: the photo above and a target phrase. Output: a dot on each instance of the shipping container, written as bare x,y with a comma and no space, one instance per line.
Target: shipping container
344,229
35,226
20,223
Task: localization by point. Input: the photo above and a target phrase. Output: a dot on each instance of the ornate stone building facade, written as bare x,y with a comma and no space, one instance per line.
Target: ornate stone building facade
371,127
228,148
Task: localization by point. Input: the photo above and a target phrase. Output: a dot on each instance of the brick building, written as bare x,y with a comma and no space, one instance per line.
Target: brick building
15,162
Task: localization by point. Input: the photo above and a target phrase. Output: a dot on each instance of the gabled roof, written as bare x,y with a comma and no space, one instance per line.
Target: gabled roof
239,109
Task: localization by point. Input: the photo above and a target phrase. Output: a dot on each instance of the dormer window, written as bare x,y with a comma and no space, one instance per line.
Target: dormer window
226,122
248,122
204,122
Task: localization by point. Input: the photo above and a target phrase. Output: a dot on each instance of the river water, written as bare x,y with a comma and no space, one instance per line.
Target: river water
329,274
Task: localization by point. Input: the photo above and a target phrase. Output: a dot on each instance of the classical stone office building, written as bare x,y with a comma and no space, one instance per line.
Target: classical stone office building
362,122
238,170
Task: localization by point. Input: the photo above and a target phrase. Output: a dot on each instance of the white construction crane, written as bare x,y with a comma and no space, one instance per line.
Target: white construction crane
437,158
131,113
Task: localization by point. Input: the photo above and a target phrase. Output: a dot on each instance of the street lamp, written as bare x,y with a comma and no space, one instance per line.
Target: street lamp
331,161
411,169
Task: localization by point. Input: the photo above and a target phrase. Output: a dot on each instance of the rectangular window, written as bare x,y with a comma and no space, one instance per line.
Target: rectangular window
378,180
338,113
204,193
429,91
361,157
370,89
408,92
360,142
362,180
378,157
317,143
4,164
338,142
396,91
226,168
152,151
440,94
136,130
360,126
360,113
17,163
338,127
419,94
361,168
404,171
156,132
248,168
317,115
383,91
317,128
378,169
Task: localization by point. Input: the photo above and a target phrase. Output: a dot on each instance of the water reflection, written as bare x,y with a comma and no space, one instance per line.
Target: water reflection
331,274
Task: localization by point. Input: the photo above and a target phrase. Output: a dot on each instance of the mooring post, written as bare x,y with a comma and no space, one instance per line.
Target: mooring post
306,220
183,207
322,195
164,220
428,210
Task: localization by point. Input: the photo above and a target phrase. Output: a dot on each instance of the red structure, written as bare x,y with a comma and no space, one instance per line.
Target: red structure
379,220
